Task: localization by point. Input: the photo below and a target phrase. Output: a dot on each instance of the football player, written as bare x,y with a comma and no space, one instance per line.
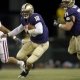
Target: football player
4,53
34,25
72,24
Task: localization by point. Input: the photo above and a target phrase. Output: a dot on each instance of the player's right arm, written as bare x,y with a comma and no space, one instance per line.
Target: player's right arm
69,22
16,31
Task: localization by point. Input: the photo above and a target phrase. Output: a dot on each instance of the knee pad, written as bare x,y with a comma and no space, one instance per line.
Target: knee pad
19,57
32,59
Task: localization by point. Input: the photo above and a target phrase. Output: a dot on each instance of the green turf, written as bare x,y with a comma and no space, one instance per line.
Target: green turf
42,74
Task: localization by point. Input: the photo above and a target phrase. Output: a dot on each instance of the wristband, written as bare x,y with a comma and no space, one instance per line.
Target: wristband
14,37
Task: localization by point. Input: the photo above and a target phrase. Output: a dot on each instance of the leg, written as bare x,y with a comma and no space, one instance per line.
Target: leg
72,45
4,54
15,61
26,49
78,47
36,54
12,60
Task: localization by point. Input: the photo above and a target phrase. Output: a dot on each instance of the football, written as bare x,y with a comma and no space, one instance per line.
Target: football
31,27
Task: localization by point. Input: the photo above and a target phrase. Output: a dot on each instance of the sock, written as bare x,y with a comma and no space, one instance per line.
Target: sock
22,66
19,62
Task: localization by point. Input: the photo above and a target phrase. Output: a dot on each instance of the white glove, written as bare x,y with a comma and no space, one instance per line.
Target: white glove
17,39
55,23
3,35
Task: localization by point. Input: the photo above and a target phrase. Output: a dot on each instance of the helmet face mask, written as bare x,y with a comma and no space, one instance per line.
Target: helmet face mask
64,4
67,3
27,10
25,14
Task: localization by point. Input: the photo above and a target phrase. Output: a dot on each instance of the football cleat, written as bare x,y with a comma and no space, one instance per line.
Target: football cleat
24,73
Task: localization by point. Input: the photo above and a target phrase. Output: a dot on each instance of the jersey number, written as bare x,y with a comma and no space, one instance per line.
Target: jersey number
37,18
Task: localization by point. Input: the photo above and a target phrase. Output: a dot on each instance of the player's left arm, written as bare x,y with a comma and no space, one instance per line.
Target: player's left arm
37,29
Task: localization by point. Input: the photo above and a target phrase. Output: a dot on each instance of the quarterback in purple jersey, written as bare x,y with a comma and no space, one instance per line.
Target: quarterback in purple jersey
72,24
34,48
42,32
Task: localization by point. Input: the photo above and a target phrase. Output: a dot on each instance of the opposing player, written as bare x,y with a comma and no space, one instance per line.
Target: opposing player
4,53
34,25
72,24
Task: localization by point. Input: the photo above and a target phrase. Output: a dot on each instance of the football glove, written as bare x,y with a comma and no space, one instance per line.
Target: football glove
55,23
18,40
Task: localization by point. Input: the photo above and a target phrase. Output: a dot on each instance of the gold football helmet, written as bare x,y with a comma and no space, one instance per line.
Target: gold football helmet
67,3
26,10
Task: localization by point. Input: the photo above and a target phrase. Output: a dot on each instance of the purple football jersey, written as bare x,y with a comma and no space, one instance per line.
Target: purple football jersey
34,19
74,11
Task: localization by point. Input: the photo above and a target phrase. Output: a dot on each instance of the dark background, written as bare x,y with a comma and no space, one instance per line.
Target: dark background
9,16
46,8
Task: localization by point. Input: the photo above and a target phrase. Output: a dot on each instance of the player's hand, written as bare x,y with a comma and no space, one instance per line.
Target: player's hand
55,23
18,41
30,27
4,35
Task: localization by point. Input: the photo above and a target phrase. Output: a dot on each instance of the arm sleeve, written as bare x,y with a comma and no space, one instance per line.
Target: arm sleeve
38,29
16,31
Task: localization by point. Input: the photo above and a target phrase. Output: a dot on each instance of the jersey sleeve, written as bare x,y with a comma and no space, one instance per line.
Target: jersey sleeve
68,15
16,31
71,12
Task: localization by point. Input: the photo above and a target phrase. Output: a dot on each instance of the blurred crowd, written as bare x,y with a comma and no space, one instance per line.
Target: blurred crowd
57,64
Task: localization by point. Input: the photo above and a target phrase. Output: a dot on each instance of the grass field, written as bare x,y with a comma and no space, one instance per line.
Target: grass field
42,74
